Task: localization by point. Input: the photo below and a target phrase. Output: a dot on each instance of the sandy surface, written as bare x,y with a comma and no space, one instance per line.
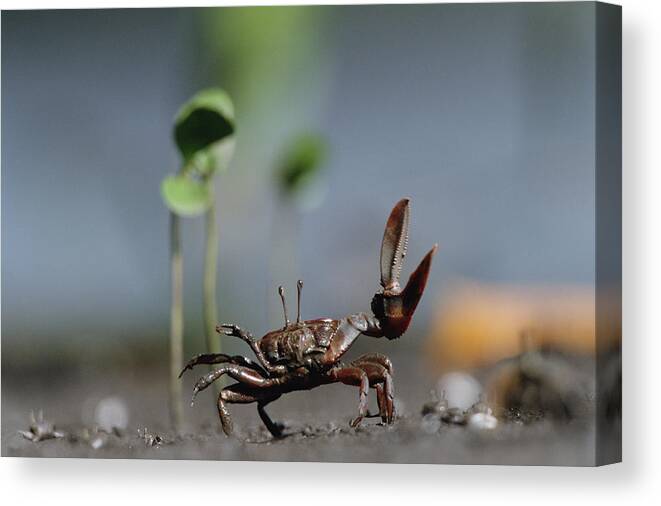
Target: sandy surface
317,425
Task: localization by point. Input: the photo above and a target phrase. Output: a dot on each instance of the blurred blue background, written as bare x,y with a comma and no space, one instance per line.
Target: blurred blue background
482,114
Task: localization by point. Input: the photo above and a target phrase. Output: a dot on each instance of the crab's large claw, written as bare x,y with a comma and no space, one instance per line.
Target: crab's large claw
393,306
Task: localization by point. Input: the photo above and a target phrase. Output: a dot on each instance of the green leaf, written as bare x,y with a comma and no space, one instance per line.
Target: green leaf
302,163
205,124
185,196
217,156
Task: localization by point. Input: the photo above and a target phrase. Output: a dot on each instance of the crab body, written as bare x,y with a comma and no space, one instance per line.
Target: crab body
306,353
300,343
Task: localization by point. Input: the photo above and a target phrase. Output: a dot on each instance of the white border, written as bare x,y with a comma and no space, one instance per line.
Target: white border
637,481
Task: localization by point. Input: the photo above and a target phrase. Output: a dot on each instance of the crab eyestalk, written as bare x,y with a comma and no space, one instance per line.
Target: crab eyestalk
281,292
299,288
393,306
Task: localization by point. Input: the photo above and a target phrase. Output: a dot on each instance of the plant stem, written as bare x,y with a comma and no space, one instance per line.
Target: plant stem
209,288
176,321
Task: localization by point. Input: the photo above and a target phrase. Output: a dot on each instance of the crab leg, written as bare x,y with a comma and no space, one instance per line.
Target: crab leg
245,375
221,358
241,394
389,398
354,376
376,358
235,331
274,428
375,366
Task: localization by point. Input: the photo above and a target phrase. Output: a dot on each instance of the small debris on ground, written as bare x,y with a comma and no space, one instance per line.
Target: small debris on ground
149,438
96,437
478,416
437,406
40,429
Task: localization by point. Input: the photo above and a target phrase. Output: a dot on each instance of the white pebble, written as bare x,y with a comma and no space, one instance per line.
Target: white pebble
97,442
482,421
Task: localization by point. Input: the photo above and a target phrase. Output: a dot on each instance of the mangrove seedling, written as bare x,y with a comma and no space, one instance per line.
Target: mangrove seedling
204,134
301,164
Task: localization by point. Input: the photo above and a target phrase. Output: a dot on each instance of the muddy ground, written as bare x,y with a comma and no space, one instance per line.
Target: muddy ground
317,424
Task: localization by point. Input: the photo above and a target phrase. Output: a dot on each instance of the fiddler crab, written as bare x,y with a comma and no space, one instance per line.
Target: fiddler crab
306,353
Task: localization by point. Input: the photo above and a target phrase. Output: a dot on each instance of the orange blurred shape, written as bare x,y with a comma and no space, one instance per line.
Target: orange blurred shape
478,324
